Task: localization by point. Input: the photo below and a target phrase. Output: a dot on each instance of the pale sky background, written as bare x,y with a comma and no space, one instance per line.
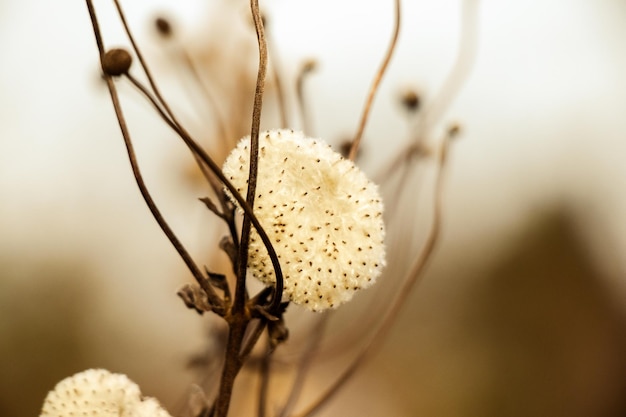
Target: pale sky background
543,115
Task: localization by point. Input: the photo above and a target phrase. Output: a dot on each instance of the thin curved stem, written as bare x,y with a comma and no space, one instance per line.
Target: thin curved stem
204,157
305,365
254,159
143,63
215,185
466,55
208,161
375,84
224,130
280,92
305,70
416,272
184,254
239,315
264,383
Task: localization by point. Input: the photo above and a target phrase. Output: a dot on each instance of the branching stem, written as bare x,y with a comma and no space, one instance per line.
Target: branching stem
195,270
375,84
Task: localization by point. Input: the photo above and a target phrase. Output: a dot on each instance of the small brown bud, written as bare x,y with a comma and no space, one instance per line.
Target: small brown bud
163,26
454,130
116,62
410,100
309,65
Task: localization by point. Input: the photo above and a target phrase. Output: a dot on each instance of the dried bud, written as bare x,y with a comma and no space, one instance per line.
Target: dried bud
322,215
116,62
411,101
454,130
163,26
309,65
99,393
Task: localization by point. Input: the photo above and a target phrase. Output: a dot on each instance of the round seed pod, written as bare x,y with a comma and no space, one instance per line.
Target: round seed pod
116,61
323,217
99,393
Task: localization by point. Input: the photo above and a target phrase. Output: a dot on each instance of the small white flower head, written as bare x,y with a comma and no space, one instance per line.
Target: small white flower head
99,393
323,217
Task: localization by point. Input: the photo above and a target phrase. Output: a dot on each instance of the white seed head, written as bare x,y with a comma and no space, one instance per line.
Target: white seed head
323,217
99,393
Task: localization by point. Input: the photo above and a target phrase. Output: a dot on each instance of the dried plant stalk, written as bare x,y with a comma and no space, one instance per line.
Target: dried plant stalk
249,318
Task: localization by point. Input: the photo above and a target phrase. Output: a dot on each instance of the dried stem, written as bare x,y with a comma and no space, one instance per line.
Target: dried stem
240,316
225,132
280,93
416,272
215,185
304,365
195,270
468,44
305,70
254,157
252,339
208,161
195,148
375,84
264,373
143,63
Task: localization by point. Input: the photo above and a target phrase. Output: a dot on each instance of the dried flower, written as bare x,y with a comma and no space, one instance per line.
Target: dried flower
322,214
99,393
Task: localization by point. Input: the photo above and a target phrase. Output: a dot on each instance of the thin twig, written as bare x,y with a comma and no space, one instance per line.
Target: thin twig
204,156
315,339
416,272
376,82
252,338
280,93
225,131
240,317
305,70
208,161
195,270
264,383
143,63
466,55
254,158
217,189
237,325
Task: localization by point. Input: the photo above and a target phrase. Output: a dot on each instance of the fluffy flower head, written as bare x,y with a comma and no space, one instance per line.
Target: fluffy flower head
323,217
99,393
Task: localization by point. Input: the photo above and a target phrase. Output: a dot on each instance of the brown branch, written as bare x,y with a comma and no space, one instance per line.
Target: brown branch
375,84
254,158
143,63
205,158
252,339
416,272
198,151
240,316
195,270
232,364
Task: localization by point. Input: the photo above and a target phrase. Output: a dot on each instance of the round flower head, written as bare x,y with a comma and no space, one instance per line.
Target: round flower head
322,215
99,393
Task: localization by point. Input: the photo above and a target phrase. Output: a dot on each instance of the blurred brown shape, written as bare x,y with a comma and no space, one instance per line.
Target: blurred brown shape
534,333
42,310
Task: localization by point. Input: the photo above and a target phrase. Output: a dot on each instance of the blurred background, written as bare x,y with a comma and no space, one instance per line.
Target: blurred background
522,310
